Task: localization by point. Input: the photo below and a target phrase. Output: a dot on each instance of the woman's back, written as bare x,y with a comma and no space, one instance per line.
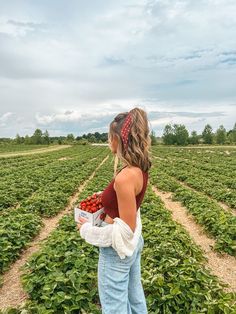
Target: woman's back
109,197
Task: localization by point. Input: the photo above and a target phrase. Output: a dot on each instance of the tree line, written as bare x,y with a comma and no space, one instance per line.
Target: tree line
175,134
43,138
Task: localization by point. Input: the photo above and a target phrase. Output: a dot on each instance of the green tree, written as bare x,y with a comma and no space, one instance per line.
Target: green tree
28,140
194,138
18,139
37,137
168,135
207,134
234,133
46,139
181,134
153,138
70,137
221,135
92,139
97,136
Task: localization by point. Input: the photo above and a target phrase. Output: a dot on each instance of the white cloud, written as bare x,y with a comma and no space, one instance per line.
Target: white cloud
5,118
67,116
59,60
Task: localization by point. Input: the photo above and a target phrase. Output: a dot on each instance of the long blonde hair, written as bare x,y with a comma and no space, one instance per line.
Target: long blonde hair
138,152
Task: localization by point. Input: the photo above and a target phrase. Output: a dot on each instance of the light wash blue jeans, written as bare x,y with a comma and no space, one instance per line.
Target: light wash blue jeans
119,281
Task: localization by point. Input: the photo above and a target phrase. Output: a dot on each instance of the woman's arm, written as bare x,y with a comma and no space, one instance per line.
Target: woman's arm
124,186
118,235
98,236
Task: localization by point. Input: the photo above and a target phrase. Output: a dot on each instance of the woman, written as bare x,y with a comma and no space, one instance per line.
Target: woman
119,270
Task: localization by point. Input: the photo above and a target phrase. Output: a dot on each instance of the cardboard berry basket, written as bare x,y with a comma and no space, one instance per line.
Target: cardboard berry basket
95,217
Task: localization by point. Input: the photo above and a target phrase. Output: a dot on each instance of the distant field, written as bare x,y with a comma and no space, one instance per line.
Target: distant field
18,148
30,150
61,277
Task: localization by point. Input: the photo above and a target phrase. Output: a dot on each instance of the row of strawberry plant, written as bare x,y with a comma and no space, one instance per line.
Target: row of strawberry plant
11,165
220,174
24,183
217,222
204,181
175,277
215,157
16,163
15,234
62,276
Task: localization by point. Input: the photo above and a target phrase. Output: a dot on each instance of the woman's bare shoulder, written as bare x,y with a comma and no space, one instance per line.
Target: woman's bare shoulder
128,175
129,171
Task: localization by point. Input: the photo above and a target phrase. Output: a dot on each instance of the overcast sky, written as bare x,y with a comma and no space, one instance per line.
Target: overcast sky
71,66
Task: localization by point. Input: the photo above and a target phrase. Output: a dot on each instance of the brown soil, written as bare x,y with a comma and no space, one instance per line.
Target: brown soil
221,204
221,265
64,158
11,292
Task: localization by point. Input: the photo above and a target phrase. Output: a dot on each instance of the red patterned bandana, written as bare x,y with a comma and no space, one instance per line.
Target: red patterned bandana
125,129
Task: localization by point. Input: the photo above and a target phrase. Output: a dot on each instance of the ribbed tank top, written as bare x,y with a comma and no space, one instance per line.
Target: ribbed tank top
109,199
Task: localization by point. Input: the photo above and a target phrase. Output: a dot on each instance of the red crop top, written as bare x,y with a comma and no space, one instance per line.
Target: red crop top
109,199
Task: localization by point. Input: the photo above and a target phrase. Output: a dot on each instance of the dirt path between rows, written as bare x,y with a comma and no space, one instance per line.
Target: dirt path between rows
35,151
221,204
12,293
221,265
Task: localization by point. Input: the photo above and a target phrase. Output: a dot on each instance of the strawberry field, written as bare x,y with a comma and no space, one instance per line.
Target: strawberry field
61,277
211,182
7,148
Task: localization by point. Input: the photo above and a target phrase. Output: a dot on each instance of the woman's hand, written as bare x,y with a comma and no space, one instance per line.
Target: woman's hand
81,222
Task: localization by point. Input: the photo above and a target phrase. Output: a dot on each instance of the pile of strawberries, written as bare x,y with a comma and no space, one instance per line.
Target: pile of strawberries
92,203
